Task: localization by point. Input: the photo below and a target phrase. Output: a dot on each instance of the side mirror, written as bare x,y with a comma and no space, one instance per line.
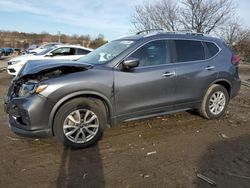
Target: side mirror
49,55
130,63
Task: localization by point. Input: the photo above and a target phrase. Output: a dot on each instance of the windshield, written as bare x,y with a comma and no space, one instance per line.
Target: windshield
44,51
106,52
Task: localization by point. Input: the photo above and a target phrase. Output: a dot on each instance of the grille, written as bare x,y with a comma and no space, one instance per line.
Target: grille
12,70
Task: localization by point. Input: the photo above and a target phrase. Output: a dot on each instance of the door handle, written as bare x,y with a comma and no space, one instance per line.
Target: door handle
210,67
168,74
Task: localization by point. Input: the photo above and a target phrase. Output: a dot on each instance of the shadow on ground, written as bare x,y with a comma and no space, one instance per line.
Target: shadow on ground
227,163
81,168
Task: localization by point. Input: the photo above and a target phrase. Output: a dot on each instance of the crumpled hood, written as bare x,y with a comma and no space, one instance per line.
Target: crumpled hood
42,66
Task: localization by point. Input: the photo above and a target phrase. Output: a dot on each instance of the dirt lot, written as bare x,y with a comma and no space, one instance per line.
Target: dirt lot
182,145
3,61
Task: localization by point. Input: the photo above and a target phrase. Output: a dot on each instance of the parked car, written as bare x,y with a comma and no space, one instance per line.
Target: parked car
65,52
127,79
7,51
32,47
43,47
18,51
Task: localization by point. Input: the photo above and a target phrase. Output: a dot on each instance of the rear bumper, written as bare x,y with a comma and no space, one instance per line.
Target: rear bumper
235,88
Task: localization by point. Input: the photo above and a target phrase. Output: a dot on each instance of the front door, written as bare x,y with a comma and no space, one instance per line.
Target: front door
64,53
148,88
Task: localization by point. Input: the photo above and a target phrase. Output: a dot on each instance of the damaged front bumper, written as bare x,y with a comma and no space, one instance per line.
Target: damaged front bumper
29,116
28,110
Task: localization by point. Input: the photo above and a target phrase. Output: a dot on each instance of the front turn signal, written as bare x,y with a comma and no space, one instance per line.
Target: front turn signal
40,88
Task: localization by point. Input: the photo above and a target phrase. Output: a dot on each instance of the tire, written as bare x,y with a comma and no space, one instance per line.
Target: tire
72,128
213,110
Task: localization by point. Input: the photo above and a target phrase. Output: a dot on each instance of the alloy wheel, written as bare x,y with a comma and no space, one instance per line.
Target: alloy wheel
81,126
217,103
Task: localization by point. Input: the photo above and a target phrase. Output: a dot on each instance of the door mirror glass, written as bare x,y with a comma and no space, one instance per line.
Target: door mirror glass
130,63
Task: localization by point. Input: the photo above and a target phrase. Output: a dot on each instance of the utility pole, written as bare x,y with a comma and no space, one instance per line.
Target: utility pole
59,37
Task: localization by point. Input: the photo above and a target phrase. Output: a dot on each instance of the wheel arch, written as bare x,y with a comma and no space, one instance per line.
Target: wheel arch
223,82
88,94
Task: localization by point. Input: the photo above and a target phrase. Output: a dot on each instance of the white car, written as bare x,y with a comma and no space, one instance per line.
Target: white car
44,47
64,52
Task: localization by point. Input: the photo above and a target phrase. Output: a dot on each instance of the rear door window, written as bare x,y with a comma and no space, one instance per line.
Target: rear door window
80,51
189,50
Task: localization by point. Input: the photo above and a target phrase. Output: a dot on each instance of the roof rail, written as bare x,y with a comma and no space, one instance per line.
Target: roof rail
184,31
188,32
149,30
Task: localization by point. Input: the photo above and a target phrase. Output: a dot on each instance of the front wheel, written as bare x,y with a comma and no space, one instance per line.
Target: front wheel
215,102
80,122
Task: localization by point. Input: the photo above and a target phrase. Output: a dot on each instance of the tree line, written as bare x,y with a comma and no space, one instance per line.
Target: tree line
23,40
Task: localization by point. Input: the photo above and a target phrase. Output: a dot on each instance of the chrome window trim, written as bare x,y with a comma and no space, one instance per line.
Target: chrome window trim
116,66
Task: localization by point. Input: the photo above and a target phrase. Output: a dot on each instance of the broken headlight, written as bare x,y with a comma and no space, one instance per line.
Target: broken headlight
30,87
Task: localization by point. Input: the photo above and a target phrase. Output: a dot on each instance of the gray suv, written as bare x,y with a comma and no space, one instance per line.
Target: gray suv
127,79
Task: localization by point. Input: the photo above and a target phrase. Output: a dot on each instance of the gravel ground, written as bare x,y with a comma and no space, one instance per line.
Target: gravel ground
166,151
3,61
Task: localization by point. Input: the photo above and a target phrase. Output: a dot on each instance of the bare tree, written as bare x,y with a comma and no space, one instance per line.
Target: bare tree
234,33
202,16
158,14
237,37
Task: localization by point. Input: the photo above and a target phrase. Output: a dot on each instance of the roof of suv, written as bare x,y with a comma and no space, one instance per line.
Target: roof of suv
174,35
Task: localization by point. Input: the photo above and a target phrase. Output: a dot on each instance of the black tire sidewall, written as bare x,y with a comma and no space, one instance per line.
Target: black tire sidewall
215,89
75,104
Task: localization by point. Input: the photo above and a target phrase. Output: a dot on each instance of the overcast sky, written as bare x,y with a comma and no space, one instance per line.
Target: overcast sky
112,18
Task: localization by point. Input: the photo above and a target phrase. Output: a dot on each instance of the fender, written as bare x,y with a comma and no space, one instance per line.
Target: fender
215,81
77,94
221,80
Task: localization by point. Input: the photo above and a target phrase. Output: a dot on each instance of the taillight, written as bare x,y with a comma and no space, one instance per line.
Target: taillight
235,60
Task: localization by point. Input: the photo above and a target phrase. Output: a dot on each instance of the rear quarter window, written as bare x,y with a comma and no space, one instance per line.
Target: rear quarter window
189,50
212,49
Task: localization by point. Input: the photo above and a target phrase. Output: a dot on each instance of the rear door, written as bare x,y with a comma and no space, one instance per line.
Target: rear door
194,71
148,88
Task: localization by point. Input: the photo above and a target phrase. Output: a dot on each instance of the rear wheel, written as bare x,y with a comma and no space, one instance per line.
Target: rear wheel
215,102
80,122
